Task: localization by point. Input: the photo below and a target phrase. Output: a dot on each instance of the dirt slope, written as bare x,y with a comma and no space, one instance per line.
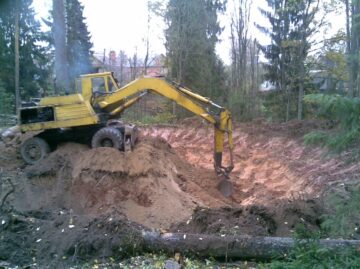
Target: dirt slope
271,162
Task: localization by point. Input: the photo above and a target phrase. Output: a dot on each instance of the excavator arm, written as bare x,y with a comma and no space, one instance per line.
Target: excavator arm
116,102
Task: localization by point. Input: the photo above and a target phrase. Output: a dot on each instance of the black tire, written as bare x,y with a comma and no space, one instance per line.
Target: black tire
34,149
107,137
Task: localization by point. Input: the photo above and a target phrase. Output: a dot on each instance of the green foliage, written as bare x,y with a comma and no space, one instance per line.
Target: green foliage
343,220
34,67
191,35
7,101
309,255
331,64
160,118
337,69
274,106
292,24
78,40
71,40
342,110
317,137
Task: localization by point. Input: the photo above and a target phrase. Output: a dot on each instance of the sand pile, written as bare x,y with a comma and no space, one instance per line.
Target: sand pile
140,184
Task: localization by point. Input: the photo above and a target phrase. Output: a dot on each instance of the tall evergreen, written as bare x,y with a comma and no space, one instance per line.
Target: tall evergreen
278,56
33,56
191,36
71,40
292,23
77,40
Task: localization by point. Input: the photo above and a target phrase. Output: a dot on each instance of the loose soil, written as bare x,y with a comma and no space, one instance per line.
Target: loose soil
81,202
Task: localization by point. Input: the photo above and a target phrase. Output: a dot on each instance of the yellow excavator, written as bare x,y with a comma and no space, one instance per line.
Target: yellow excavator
91,116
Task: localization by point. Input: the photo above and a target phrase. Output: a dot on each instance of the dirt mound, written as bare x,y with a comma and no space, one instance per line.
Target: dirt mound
140,184
55,239
226,220
260,220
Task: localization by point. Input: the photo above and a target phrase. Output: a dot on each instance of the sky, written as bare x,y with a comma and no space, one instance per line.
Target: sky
122,25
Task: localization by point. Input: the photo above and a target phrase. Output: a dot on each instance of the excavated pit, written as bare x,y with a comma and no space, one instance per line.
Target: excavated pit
168,182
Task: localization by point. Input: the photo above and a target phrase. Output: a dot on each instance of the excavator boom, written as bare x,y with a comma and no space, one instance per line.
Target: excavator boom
116,102
88,115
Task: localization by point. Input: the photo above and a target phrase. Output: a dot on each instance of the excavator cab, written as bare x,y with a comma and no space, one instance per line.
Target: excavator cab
95,85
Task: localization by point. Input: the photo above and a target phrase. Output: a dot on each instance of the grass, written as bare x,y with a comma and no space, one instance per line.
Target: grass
311,256
160,118
344,112
155,261
341,221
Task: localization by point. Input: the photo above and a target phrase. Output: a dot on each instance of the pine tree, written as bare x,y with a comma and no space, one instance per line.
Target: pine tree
78,40
292,25
7,100
278,54
191,35
33,57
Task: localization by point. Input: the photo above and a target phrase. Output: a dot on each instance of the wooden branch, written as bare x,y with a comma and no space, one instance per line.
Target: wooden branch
234,247
3,200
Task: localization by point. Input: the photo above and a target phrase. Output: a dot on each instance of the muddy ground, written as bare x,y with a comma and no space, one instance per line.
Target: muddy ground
83,203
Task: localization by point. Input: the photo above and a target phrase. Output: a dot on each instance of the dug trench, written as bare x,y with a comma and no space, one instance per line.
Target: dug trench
82,203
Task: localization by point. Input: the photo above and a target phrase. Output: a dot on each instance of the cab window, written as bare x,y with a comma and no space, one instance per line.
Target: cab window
98,85
111,85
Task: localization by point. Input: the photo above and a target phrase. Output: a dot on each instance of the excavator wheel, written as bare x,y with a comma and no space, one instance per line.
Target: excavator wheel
107,137
34,149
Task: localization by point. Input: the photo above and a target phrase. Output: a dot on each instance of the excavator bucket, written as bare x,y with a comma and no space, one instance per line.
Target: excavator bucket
225,187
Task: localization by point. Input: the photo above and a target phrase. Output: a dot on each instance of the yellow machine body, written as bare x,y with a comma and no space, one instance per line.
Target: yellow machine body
99,99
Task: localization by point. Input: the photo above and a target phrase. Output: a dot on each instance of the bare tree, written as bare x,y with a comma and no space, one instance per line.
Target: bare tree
122,62
244,62
254,52
147,38
133,62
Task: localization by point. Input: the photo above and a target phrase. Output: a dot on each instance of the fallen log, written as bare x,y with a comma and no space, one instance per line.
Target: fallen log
234,247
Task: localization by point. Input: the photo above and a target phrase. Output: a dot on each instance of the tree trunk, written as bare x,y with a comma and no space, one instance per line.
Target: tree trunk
59,33
302,79
17,56
288,105
234,247
355,46
348,48
301,92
